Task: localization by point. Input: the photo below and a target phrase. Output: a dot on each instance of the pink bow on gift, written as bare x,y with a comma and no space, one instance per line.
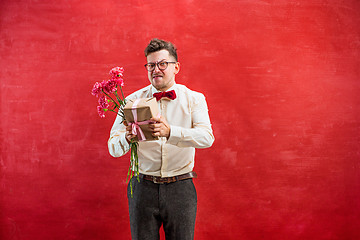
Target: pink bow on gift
135,126
136,130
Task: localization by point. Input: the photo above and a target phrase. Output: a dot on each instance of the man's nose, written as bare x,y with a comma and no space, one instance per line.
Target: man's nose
156,68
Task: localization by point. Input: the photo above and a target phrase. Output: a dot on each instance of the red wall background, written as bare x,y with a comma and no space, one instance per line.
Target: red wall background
282,84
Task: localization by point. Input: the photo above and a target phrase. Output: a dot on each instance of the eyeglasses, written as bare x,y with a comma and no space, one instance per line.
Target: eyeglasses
162,65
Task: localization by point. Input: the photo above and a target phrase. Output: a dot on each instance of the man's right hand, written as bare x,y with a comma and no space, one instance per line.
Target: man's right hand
128,134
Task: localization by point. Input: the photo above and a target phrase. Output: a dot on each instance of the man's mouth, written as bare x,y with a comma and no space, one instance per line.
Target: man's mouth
157,76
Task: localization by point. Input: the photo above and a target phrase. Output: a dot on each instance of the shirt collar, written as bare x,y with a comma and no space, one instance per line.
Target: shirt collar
154,90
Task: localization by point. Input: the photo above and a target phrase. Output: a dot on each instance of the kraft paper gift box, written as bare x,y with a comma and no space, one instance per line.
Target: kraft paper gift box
138,112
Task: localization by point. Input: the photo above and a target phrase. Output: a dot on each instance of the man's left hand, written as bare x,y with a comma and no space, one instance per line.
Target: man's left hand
160,128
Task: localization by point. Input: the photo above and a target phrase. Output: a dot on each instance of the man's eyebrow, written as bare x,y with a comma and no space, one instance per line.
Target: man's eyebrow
158,61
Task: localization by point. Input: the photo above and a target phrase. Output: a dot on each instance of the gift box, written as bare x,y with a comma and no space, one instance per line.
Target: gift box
138,113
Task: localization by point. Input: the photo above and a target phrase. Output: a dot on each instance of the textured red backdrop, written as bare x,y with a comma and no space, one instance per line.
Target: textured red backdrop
282,85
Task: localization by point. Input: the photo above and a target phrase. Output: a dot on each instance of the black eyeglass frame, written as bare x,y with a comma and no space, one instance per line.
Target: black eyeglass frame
157,64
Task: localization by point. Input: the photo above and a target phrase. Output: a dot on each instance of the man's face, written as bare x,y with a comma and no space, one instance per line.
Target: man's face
162,80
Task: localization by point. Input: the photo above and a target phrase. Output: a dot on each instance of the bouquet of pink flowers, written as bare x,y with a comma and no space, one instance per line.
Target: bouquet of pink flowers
110,100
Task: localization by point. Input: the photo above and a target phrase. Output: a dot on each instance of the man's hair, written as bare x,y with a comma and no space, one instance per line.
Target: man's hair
158,44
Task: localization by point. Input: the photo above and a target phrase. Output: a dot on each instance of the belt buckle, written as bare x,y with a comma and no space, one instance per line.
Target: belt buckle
154,179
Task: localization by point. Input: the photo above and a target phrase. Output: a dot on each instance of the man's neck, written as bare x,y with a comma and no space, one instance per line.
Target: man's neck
166,89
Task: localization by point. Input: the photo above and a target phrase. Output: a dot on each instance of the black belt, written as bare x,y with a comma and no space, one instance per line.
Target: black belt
161,180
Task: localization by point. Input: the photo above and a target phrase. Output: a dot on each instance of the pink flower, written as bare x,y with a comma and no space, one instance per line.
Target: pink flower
104,89
116,75
116,72
101,111
119,81
103,103
109,86
97,89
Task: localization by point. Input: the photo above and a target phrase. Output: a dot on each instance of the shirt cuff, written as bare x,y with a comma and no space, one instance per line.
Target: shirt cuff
124,142
175,135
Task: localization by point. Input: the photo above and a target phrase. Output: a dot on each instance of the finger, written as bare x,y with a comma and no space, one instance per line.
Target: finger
130,136
158,127
156,119
156,134
154,125
156,130
125,123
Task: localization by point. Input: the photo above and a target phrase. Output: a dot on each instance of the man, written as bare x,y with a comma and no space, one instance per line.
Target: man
166,193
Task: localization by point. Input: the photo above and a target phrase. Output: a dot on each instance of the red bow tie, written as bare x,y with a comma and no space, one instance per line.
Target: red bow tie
170,94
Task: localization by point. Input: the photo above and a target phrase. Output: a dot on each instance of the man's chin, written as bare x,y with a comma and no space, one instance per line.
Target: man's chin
161,86
157,85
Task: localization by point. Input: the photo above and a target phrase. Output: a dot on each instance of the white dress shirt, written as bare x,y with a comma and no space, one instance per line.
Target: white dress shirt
190,128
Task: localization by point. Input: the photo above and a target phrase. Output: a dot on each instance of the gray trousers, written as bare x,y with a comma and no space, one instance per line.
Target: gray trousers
171,204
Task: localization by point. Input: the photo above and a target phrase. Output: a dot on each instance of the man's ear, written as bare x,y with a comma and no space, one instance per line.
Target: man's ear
177,67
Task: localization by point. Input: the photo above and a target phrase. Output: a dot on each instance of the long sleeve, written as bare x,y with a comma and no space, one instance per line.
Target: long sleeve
200,135
117,144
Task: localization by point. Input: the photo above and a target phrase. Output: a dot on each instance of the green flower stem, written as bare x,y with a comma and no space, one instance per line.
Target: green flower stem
111,99
119,99
134,165
122,94
116,113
